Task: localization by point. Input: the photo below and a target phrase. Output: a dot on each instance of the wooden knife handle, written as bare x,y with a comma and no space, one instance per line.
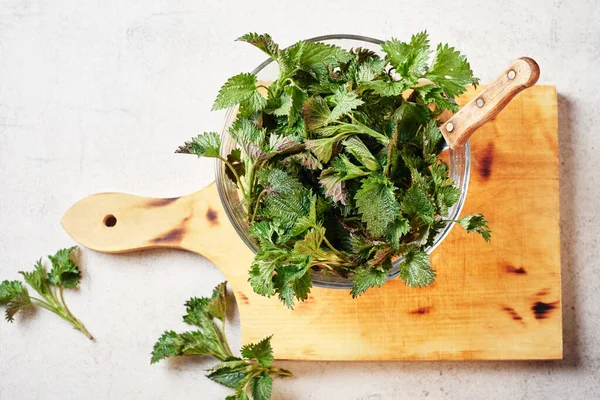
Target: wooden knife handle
523,73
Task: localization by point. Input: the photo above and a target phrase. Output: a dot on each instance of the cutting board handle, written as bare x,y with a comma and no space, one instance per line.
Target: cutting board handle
119,222
523,73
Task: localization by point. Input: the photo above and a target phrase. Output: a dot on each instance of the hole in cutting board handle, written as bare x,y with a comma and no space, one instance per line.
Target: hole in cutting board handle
110,220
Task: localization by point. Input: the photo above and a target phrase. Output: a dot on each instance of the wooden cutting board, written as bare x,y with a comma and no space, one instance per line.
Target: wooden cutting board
490,301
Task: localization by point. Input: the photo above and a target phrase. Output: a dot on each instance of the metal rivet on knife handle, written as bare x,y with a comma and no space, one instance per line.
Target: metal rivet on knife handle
480,102
511,74
449,126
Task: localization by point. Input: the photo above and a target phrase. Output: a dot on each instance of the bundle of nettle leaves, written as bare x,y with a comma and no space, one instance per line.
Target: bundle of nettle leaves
338,161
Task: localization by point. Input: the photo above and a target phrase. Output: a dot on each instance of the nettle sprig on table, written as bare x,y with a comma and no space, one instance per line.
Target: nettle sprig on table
49,286
250,374
338,162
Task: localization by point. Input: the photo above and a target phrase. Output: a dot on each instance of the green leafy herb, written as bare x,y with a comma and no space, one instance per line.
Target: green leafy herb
50,286
240,89
365,278
250,374
415,269
263,42
377,204
206,145
476,223
338,164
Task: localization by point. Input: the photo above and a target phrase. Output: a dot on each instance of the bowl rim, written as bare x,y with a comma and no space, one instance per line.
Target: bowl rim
254,248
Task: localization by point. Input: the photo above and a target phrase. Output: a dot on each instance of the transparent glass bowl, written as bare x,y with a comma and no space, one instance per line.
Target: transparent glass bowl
459,162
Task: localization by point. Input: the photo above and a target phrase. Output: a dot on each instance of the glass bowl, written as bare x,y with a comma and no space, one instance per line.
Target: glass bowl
458,161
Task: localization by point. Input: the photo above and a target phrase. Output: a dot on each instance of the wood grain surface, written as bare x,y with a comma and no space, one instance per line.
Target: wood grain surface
490,301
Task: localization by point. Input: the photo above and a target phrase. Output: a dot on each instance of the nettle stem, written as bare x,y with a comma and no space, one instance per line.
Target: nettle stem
391,146
235,174
336,251
77,324
60,308
280,371
258,200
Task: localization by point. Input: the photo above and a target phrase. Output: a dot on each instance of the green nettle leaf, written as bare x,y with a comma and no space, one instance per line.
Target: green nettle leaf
286,207
240,394
476,223
261,386
397,229
255,153
9,290
217,304
377,204
280,144
64,271
261,351
414,164
263,42
439,174
311,244
316,55
281,105
369,70
345,101
415,269
431,137
254,102
409,59
434,94
298,96
334,186
445,198
280,181
416,203
307,160
290,57
244,131
229,373
204,145
316,113
261,276
293,280
321,148
451,71
342,129
240,89
262,231
357,148
410,117
38,279
345,169
387,88
206,339
168,345
305,223
17,303
365,278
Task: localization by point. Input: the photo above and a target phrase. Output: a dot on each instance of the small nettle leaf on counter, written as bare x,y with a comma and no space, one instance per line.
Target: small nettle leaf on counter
65,274
249,375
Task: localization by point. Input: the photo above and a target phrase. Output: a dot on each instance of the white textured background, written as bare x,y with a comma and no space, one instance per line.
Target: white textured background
96,94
